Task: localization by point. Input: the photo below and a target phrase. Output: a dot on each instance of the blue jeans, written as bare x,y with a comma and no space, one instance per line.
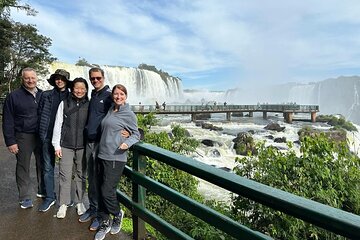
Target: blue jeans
48,155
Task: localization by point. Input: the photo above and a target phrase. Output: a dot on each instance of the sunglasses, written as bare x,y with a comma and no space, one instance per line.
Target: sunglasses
97,78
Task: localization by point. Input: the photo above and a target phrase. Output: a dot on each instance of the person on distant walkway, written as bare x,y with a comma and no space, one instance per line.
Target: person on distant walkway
113,157
141,107
48,106
99,105
164,105
19,123
157,105
68,142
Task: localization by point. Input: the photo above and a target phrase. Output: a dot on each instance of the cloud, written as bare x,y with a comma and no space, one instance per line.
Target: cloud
254,41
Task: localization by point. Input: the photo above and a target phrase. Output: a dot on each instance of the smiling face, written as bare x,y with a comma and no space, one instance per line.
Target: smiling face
79,90
60,83
97,80
119,96
29,80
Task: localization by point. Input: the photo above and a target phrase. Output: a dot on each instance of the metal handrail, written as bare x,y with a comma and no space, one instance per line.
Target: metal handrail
329,218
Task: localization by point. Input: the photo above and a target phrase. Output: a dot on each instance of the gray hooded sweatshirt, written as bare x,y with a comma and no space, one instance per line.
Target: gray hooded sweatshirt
111,137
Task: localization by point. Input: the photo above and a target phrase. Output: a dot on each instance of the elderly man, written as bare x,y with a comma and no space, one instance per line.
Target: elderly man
20,118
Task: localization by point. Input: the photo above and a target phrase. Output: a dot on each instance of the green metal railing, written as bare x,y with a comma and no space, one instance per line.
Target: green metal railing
329,218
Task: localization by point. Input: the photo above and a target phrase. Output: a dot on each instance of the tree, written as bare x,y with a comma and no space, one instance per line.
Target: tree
6,31
28,49
326,172
5,43
5,6
20,46
82,62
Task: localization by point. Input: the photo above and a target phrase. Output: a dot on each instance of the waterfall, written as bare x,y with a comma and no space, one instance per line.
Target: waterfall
355,104
302,94
143,85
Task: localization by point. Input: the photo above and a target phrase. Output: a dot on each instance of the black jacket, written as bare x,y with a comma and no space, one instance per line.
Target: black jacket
48,106
100,103
20,114
75,116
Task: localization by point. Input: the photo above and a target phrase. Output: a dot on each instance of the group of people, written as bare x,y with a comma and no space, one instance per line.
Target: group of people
90,137
157,105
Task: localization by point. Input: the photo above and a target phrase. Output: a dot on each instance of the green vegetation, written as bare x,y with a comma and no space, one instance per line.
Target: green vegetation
20,46
164,75
337,122
83,63
178,141
326,172
335,134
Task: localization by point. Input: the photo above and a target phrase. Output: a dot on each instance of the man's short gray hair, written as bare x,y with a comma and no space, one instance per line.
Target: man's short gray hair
27,69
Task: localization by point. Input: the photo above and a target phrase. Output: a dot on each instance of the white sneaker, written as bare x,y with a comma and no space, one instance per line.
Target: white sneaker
80,208
62,211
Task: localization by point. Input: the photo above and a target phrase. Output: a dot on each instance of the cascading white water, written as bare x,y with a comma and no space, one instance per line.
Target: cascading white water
355,104
302,94
143,85
334,96
319,93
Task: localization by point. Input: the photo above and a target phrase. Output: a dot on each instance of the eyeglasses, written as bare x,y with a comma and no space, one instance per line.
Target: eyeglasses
97,78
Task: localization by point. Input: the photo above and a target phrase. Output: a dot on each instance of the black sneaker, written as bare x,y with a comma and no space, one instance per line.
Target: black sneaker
103,230
116,224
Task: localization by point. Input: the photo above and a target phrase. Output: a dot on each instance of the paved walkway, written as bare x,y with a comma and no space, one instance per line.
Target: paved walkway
29,224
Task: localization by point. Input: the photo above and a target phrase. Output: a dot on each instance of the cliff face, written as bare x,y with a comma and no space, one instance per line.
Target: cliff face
143,85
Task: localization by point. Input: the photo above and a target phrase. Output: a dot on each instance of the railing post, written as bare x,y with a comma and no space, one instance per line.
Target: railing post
138,195
228,116
264,115
313,117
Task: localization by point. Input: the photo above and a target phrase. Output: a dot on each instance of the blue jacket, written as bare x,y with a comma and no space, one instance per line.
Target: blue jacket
100,103
48,106
20,114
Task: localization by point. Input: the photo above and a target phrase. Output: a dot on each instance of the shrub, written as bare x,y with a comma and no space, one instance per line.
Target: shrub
326,172
337,122
182,182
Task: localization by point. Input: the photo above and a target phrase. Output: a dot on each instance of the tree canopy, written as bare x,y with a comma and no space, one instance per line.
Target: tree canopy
21,46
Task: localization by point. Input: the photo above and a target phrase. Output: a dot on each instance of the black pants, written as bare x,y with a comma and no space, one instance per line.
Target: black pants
28,144
92,166
111,172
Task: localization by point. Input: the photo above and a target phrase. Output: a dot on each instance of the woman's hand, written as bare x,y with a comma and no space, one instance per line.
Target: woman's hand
58,153
123,146
124,133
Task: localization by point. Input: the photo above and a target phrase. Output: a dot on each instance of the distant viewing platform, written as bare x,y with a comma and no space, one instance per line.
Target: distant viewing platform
288,110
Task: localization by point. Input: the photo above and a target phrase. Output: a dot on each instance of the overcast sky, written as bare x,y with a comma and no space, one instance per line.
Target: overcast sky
209,44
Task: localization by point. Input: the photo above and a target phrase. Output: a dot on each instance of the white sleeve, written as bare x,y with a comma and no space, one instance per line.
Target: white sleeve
57,126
